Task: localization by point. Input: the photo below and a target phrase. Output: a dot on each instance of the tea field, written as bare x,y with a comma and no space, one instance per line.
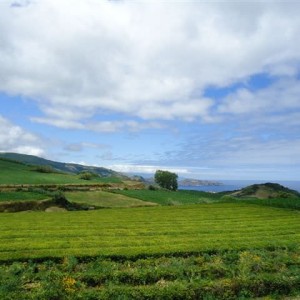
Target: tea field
146,231
244,274
202,251
133,243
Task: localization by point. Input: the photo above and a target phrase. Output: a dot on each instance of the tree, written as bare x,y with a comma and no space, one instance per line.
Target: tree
166,180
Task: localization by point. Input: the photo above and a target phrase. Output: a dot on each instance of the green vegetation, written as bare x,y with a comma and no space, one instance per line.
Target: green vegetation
107,180
188,245
21,196
18,173
166,180
105,199
289,203
265,191
208,251
181,197
164,197
224,275
145,231
43,169
58,166
54,201
87,175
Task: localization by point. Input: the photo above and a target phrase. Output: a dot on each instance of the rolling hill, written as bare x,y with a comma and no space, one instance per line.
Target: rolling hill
60,166
18,173
265,191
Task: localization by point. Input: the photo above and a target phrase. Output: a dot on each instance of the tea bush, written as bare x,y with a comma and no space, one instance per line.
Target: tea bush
222,275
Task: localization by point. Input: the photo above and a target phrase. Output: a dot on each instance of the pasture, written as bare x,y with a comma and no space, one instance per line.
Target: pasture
18,173
21,196
105,199
164,197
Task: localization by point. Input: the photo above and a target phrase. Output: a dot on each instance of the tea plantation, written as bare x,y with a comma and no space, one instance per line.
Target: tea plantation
142,244
205,251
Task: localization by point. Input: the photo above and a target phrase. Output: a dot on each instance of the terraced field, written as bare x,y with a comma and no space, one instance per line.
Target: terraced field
146,231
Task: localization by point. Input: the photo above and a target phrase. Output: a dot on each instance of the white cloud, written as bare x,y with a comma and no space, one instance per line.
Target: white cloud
30,150
281,96
62,123
127,168
102,126
144,59
78,147
15,139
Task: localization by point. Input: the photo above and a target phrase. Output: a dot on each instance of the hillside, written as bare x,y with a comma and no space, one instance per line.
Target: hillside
60,166
13,172
265,191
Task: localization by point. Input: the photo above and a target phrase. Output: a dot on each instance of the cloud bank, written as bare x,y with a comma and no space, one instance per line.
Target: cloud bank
146,61
211,85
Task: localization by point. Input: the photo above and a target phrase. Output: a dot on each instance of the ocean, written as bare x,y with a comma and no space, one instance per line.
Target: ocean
231,185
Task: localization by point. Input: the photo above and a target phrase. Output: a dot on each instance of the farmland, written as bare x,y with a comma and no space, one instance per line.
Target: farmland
163,197
105,199
225,275
142,244
143,231
21,196
205,251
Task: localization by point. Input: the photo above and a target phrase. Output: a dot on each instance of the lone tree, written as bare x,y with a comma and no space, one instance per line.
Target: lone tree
166,179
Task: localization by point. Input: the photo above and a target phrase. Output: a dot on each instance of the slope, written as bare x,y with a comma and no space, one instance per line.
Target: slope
13,172
60,166
266,191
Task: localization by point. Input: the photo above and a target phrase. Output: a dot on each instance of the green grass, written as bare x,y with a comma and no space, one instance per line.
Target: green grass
18,173
105,199
145,231
163,197
289,203
21,196
182,197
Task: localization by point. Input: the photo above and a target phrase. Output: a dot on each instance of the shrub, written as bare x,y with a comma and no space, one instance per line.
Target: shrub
60,199
87,175
151,187
43,169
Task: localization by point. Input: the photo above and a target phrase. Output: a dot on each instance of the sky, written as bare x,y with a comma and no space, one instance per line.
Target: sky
206,89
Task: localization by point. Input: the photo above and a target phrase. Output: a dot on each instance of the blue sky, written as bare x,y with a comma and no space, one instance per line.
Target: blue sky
207,90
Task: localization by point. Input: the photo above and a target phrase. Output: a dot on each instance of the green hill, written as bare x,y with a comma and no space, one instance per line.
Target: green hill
59,166
266,191
14,172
